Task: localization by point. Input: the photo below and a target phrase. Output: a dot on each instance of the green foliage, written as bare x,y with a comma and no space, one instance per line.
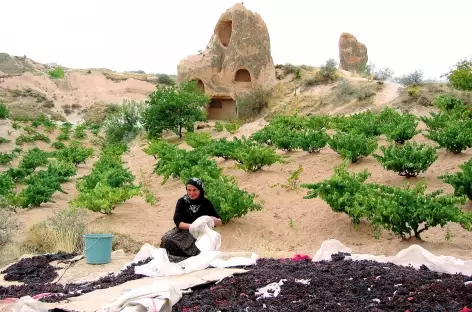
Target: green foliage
4,113
461,181
398,127
353,145
229,200
252,157
6,158
219,126
365,122
198,139
232,127
174,108
41,186
460,76
447,103
165,79
408,160
405,211
35,137
58,145
125,123
75,153
56,73
64,132
109,183
33,159
6,184
327,73
172,161
15,125
104,198
223,148
312,141
4,140
251,104
340,191
79,132
455,135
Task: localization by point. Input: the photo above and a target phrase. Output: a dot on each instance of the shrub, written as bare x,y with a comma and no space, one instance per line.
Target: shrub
219,126
404,211
408,160
412,79
165,79
79,132
108,185
460,76
252,157
455,135
447,103
56,73
61,232
4,113
125,123
232,127
382,74
58,145
353,145
171,108
5,158
251,104
398,127
365,122
327,73
8,226
6,184
460,181
198,139
229,200
312,141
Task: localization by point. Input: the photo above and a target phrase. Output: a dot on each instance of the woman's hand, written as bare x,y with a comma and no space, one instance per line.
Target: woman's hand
217,221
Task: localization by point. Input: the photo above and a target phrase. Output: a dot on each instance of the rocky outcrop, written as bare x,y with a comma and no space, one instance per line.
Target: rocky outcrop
352,53
237,59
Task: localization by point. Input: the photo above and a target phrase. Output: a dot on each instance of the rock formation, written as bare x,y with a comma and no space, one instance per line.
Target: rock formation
236,60
352,53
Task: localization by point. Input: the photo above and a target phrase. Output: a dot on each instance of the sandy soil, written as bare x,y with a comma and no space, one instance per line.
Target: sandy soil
271,232
288,224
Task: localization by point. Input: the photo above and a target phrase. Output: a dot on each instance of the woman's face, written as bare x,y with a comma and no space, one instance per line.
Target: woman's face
192,192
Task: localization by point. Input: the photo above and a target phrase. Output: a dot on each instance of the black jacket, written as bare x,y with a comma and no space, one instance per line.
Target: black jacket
185,212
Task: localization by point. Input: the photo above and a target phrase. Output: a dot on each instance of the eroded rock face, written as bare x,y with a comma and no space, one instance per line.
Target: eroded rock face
352,53
236,59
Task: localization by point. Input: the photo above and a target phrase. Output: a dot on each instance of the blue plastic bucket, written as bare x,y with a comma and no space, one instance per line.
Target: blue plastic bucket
98,248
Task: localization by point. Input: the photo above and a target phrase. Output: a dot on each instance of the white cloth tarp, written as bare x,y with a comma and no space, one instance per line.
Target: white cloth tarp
208,242
414,256
158,297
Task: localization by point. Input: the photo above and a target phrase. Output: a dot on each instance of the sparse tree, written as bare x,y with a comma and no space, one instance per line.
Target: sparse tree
175,108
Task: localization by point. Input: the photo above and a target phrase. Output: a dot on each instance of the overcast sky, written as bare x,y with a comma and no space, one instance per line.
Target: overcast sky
154,35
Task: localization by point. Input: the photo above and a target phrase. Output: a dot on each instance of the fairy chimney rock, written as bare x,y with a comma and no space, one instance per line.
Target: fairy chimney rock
237,59
352,53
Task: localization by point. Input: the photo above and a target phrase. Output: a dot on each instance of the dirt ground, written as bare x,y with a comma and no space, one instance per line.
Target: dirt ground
288,223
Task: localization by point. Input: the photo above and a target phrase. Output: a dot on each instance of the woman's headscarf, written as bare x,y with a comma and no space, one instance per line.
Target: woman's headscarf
194,204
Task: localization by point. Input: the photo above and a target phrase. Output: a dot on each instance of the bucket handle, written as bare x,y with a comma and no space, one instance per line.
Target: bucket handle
96,241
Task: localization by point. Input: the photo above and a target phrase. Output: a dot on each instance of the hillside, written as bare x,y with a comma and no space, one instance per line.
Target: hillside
28,90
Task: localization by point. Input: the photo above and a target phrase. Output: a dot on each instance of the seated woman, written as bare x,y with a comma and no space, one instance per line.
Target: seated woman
178,241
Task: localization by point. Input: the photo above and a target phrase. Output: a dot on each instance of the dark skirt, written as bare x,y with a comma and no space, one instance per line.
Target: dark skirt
180,244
